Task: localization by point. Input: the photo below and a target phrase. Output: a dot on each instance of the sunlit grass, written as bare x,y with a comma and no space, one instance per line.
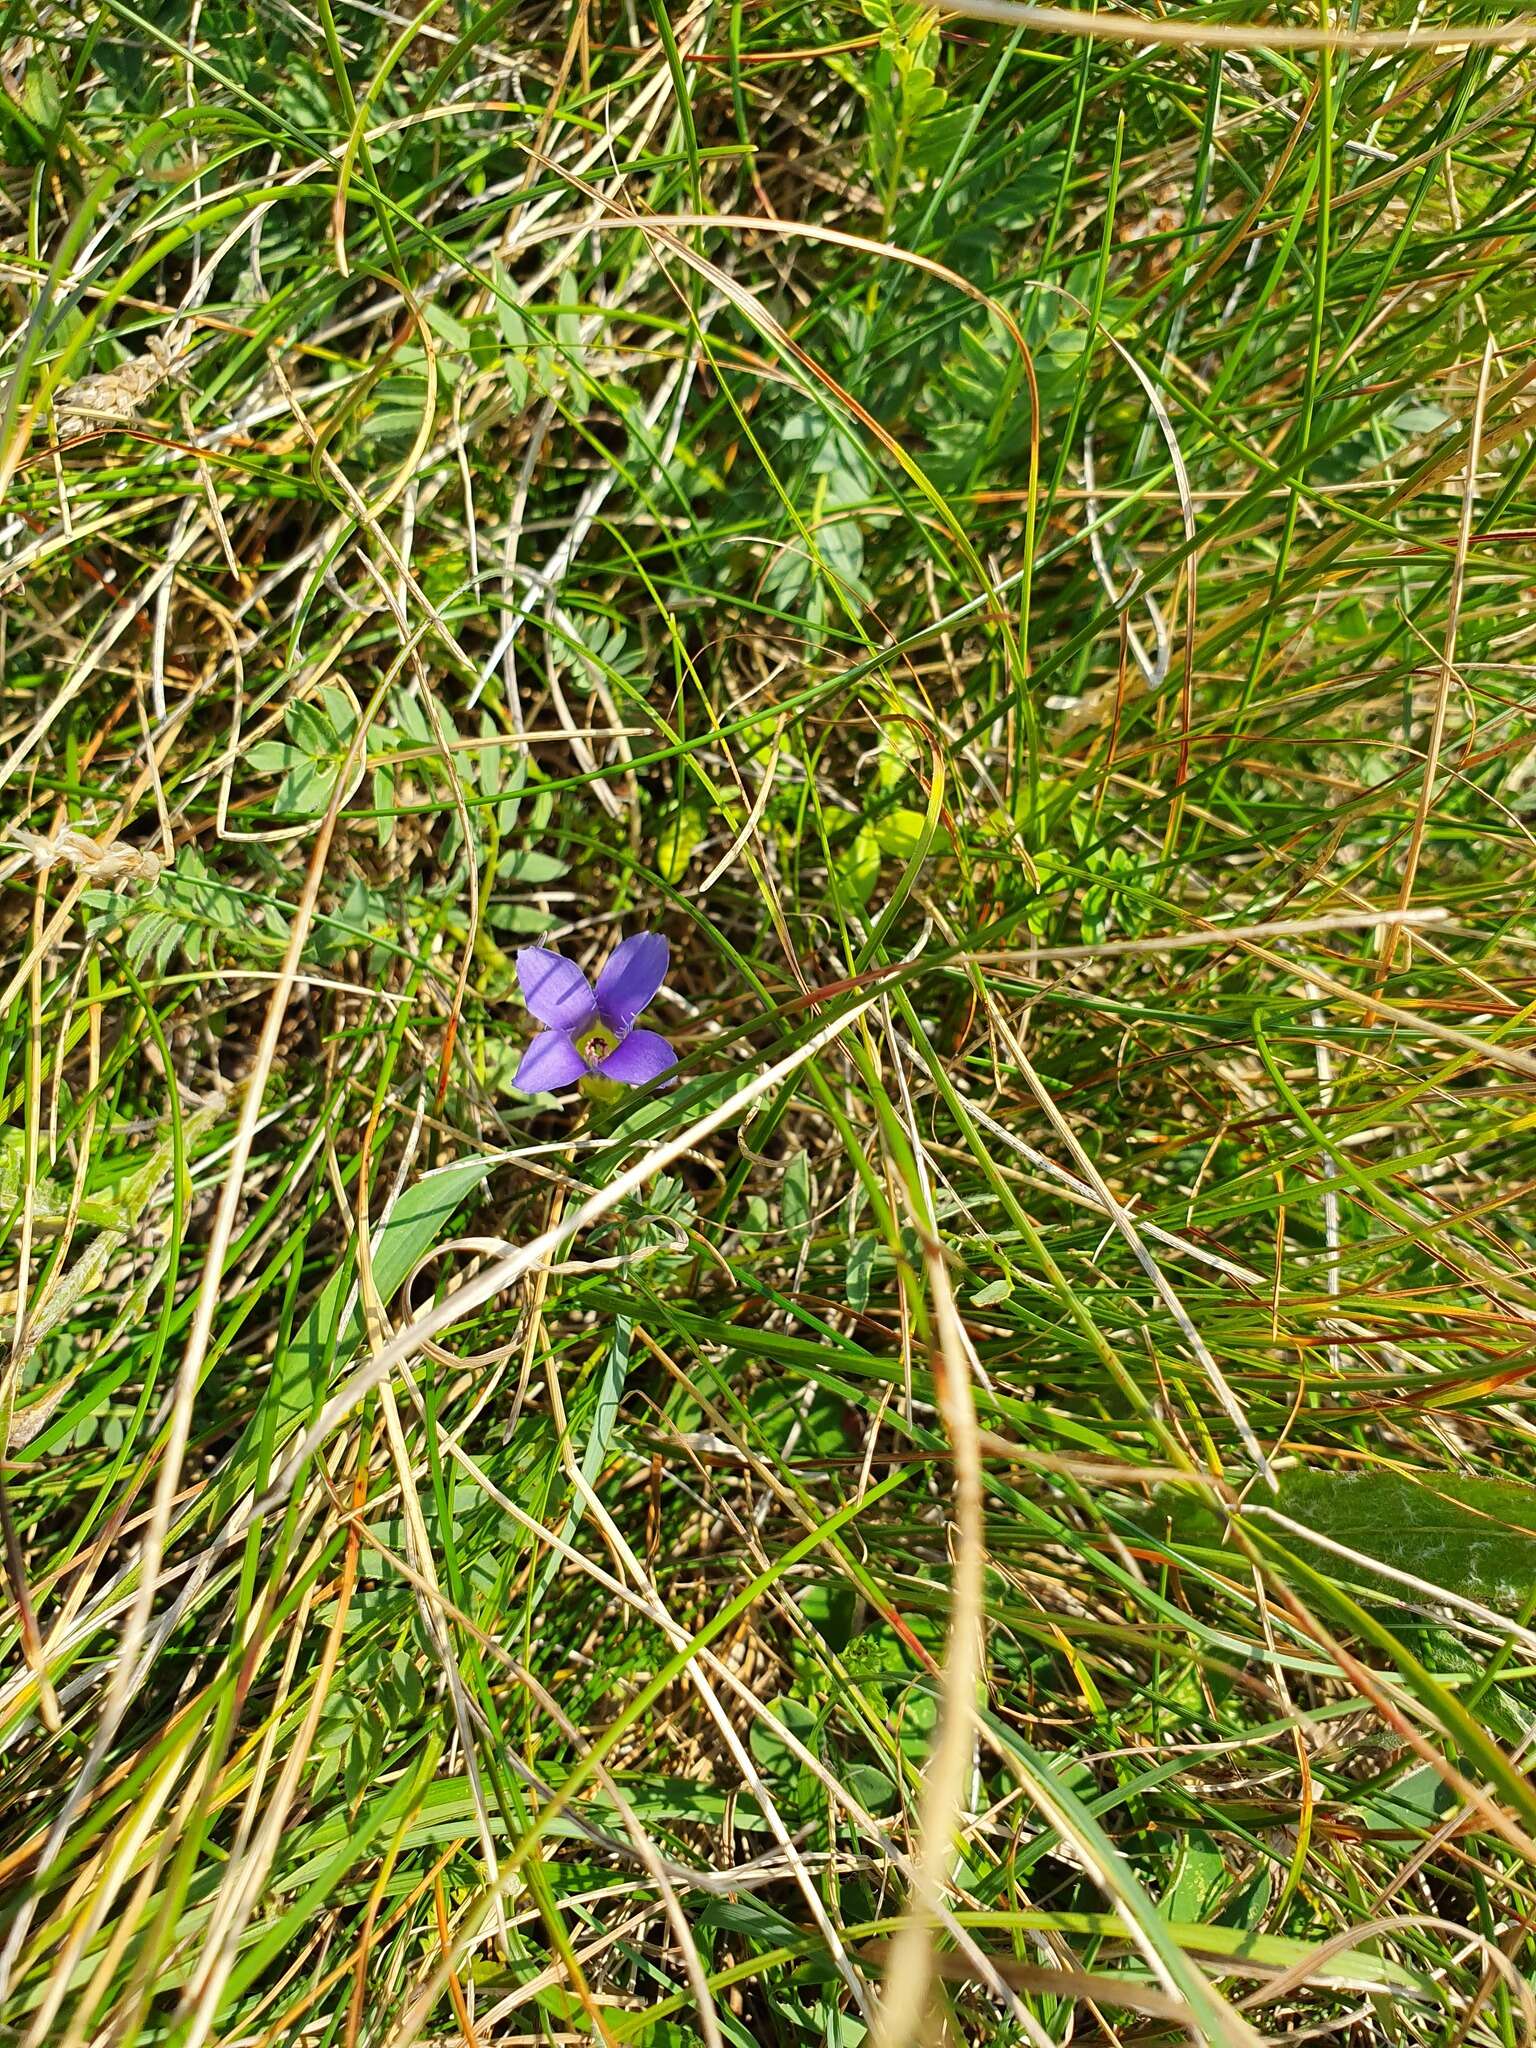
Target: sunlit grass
998,1506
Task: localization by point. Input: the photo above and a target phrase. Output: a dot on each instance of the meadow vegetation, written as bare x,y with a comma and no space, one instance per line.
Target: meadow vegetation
996,1503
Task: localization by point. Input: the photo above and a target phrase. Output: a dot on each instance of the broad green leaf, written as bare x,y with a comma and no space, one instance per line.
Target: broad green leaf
795,1201
680,835
900,833
272,757
857,866
858,1270
1475,1537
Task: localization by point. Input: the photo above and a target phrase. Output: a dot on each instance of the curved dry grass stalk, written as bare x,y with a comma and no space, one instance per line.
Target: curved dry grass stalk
651,1858
909,1969
641,1598
1363,919
1223,35
1310,976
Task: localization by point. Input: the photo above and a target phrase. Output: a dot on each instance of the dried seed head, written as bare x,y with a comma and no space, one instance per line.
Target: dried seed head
107,865
118,394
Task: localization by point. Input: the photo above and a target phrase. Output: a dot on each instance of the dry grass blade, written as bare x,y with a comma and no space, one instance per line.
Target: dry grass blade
1447,675
487,1563
1231,35
903,2012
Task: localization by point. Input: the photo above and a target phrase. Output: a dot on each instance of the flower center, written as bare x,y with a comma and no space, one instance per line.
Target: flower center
595,1044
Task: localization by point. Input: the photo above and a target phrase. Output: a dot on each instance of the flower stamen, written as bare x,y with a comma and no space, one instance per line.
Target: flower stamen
596,1044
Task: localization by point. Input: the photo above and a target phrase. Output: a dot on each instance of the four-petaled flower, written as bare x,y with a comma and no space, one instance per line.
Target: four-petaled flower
592,1031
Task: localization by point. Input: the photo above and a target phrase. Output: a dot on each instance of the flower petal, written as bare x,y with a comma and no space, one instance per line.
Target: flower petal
643,1056
554,988
550,1062
635,970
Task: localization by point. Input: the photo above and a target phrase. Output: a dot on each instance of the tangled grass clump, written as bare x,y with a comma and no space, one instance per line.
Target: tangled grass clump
991,1499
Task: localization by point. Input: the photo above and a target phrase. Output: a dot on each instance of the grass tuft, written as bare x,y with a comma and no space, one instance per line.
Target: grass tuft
998,1504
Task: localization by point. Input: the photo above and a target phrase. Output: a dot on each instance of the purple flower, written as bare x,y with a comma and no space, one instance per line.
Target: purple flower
593,1031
